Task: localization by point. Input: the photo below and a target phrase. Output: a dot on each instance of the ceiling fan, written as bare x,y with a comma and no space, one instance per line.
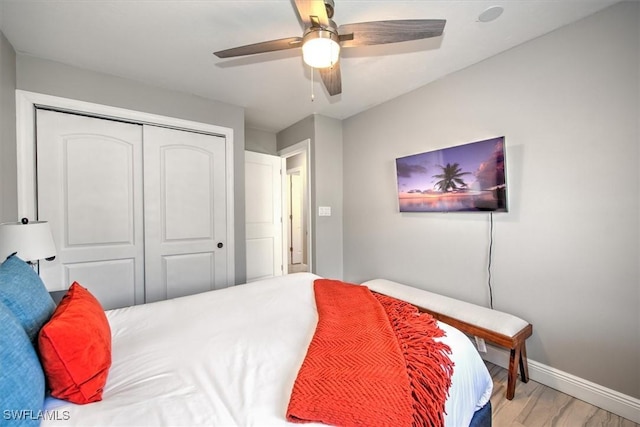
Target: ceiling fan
322,38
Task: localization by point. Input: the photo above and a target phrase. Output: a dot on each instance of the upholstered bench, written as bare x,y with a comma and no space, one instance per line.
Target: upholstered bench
496,327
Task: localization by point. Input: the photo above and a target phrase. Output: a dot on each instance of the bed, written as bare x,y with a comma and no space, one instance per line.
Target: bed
230,358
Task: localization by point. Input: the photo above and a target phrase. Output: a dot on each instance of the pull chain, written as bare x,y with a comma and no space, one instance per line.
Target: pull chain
313,97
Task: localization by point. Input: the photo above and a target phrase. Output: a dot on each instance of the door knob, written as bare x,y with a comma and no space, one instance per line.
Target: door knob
220,245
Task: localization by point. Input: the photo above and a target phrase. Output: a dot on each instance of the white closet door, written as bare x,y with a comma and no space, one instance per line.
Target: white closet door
185,213
263,213
89,178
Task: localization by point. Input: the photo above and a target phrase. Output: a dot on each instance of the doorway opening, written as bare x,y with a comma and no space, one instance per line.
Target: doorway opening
296,224
297,251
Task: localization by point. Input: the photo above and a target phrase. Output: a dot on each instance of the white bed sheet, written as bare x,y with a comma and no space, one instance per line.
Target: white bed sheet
230,358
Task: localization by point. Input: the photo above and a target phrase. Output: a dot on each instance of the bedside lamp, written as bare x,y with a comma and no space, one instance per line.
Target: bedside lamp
31,241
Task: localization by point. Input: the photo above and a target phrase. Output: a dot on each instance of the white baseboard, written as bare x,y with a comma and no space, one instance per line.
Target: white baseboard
610,400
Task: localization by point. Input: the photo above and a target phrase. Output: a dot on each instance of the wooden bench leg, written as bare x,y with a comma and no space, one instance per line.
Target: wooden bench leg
517,358
512,375
524,366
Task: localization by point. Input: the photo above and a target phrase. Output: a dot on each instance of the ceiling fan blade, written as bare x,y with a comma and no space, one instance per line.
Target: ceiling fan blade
312,12
269,46
331,79
394,31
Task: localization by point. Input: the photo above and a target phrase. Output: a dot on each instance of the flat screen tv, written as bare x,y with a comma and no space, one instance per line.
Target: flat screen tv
465,178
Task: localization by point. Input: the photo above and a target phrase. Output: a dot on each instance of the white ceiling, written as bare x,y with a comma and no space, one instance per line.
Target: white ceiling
169,43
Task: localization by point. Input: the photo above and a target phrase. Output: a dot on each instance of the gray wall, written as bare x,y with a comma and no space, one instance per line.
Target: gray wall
260,141
566,255
326,188
329,184
8,164
53,78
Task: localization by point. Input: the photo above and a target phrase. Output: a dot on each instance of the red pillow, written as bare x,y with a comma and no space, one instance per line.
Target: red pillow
75,348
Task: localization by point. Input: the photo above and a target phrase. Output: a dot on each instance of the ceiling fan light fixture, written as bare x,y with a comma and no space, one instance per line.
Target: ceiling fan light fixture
322,39
320,48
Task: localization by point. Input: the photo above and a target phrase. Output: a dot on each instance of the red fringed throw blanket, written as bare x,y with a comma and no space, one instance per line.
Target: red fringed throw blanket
372,362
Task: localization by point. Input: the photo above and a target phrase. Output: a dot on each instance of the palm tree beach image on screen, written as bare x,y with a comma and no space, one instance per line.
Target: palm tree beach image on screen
464,178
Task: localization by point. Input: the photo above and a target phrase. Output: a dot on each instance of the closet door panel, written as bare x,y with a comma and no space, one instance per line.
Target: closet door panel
188,274
185,212
110,280
187,191
89,178
98,169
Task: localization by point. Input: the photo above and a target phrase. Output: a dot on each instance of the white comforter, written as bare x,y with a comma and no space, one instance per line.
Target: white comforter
229,358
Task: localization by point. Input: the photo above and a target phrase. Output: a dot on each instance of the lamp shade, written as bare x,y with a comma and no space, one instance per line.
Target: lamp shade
32,241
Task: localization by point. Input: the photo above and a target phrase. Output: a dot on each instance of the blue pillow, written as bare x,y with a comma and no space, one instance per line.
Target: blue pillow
21,377
22,292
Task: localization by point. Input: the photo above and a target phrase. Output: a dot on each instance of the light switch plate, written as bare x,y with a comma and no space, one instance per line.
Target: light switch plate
324,211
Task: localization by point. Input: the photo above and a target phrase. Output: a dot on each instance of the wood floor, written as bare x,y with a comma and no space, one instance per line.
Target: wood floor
536,405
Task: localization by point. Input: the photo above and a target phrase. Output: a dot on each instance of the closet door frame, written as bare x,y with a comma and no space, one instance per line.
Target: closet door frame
26,104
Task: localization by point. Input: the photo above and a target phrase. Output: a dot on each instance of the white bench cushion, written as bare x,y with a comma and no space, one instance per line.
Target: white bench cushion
502,323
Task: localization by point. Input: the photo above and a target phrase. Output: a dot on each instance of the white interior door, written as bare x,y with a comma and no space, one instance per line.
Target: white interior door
89,180
263,205
185,213
296,217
